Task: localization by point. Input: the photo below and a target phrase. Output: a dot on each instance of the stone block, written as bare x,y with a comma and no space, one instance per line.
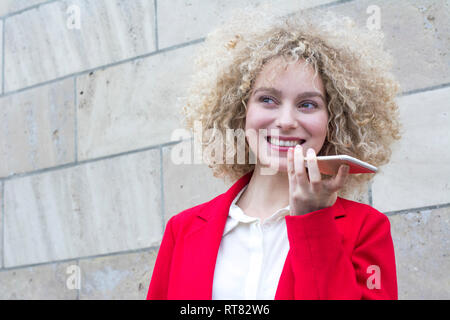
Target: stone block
1,55
95,208
422,253
42,282
187,185
67,37
1,224
37,128
132,105
117,277
181,21
417,175
416,34
12,6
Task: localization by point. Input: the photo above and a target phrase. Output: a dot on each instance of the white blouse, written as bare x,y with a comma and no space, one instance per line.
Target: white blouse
251,255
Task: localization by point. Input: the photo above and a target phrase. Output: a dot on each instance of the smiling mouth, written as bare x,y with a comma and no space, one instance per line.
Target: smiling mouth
284,143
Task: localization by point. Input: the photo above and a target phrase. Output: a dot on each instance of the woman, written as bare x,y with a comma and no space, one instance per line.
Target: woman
300,86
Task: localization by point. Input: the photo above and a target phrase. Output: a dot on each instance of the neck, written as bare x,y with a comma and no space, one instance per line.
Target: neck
265,194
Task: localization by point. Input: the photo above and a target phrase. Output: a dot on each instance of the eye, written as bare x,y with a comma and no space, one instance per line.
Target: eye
314,105
265,98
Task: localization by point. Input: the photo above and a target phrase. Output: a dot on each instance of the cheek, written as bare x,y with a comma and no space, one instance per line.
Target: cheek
256,119
317,126
256,123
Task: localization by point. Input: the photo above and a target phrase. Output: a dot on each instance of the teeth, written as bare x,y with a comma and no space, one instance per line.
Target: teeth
284,143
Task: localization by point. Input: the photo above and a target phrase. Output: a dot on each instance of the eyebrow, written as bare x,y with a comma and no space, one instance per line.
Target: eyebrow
299,96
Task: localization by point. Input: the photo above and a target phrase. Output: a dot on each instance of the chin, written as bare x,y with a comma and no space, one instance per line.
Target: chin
273,167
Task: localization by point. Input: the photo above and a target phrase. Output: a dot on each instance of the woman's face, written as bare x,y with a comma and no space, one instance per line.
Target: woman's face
284,112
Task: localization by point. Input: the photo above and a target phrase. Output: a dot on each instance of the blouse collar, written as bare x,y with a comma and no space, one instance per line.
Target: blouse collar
237,215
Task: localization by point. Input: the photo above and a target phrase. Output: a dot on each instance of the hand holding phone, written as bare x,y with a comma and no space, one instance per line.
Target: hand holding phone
330,164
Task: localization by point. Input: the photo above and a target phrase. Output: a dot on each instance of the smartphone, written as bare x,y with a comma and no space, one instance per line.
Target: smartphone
330,164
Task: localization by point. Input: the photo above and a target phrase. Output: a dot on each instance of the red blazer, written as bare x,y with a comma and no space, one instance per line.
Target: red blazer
341,252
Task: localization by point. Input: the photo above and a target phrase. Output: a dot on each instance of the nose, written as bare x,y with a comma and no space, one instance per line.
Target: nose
286,119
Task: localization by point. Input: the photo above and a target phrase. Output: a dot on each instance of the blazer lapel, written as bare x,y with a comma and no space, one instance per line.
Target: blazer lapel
202,243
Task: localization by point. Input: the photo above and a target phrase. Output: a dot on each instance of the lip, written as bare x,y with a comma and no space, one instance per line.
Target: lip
282,148
285,138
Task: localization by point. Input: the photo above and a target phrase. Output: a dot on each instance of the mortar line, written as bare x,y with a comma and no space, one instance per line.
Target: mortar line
161,182
79,259
370,194
155,3
3,56
3,223
331,4
79,163
403,211
75,115
81,279
156,247
168,49
430,88
15,13
118,62
174,47
105,66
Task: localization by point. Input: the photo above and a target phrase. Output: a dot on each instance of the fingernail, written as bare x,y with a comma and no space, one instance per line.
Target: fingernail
310,152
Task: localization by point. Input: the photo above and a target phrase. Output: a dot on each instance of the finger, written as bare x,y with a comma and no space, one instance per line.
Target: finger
299,167
313,168
290,164
339,181
290,169
290,161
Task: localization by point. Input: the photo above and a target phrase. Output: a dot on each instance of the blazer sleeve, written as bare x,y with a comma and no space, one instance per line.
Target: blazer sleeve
159,282
317,250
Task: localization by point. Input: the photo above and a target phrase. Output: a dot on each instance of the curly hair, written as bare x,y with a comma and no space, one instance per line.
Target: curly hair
360,88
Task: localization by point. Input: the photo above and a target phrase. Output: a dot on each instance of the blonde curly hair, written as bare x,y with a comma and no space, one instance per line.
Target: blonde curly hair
363,115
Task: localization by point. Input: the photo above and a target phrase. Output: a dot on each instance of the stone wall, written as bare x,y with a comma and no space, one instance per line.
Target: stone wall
89,100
